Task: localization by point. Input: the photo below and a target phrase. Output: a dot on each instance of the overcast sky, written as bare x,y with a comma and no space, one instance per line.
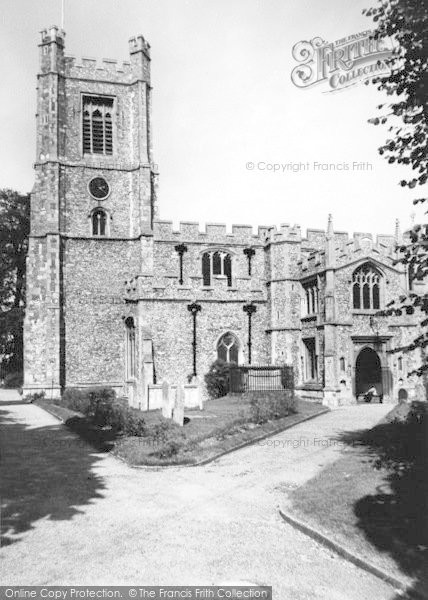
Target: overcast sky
222,97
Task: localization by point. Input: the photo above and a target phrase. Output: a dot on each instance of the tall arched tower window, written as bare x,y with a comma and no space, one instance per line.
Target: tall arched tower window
366,287
130,348
216,262
228,348
99,222
97,125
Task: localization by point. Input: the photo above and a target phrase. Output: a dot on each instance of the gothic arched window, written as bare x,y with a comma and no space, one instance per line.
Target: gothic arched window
99,222
366,287
310,305
216,262
97,125
130,348
228,348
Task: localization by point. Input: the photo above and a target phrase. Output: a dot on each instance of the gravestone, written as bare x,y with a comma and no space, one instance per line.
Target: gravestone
166,400
196,381
178,413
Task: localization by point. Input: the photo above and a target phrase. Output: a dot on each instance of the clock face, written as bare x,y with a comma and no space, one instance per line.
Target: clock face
99,188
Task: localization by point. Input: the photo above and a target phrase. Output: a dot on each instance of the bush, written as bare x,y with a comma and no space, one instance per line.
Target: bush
271,406
95,402
75,399
417,414
34,397
131,422
217,379
168,450
101,402
13,380
169,436
102,407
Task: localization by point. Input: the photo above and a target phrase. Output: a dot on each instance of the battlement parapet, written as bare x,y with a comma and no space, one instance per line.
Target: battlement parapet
242,230
316,238
213,233
139,44
285,233
52,34
386,240
312,262
107,69
190,231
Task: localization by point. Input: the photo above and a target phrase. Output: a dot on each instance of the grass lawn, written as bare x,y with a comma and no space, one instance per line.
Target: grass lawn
224,425
374,500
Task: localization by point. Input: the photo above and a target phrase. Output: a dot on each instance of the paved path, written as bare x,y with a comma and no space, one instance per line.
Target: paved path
74,516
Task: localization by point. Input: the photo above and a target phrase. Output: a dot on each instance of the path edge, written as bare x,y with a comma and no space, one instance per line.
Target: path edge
348,555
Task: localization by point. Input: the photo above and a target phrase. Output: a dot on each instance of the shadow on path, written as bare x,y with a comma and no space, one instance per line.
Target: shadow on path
395,518
45,473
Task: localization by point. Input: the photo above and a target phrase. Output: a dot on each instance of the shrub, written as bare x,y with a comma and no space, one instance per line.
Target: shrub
168,436
168,450
34,397
95,402
267,407
13,380
132,423
217,379
417,414
75,399
102,407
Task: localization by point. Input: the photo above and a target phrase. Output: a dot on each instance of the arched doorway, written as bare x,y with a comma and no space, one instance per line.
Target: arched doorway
368,372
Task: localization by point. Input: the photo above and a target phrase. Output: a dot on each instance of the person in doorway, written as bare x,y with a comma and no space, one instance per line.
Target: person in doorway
371,392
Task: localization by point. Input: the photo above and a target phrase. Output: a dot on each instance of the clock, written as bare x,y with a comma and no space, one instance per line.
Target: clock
99,188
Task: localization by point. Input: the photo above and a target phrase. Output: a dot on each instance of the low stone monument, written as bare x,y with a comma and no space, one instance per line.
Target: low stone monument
196,381
178,412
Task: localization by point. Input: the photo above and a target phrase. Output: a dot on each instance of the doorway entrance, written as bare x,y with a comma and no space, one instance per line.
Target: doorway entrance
368,372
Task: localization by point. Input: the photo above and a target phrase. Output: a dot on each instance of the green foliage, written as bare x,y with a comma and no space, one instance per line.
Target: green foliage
13,380
406,22
168,437
34,397
266,407
418,415
102,407
75,399
129,421
168,449
14,230
217,379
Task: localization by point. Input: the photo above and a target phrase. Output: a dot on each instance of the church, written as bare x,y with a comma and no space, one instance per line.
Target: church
117,297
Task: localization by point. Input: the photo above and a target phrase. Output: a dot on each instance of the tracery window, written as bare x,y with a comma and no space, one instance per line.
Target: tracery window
366,287
97,125
228,348
216,262
310,305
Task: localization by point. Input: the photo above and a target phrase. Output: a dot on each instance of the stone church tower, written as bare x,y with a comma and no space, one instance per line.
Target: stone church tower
92,210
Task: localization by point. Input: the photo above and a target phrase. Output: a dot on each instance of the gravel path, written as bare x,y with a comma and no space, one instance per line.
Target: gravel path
74,516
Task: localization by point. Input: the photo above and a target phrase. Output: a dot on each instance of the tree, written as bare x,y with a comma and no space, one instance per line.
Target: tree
406,23
14,230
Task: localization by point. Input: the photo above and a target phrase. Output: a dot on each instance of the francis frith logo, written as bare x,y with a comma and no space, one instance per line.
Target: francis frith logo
342,63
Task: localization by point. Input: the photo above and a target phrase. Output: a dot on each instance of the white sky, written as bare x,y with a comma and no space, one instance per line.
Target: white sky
222,97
